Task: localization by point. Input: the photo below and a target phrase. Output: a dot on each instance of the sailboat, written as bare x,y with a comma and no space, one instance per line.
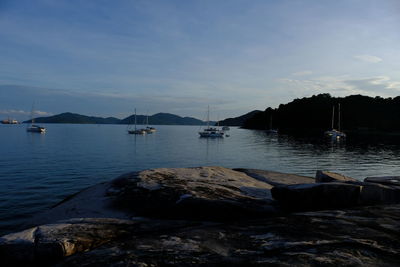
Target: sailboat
148,128
212,132
335,134
34,128
271,130
136,131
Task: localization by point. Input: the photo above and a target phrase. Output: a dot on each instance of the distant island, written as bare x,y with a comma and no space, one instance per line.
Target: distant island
156,119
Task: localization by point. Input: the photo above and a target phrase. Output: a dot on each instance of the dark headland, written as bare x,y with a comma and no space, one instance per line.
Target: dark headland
214,216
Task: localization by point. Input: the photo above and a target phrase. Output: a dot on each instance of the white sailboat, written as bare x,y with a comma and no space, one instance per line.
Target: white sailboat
148,128
32,127
335,133
212,132
136,131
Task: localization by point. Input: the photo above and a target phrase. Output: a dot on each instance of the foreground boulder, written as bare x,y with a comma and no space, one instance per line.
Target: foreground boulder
205,193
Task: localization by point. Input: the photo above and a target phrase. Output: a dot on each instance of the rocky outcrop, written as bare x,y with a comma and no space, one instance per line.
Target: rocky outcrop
214,216
326,177
205,193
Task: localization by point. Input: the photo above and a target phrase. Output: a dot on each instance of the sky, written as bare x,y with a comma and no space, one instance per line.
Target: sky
105,58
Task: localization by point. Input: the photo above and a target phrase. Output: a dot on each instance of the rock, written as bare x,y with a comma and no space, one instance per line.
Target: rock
92,202
276,178
379,194
205,193
50,243
360,237
326,177
213,216
386,180
316,196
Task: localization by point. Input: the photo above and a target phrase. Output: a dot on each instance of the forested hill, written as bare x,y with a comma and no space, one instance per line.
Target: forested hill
314,115
238,121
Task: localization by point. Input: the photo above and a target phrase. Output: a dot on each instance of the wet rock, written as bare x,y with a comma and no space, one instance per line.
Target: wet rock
326,177
205,193
316,196
277,178
386,180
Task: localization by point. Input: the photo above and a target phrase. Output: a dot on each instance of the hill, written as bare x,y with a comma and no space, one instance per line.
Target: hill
239,121
359,114
69,117
156,119
163,119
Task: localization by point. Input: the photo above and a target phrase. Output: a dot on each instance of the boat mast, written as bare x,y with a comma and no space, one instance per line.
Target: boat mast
135,119
32,114
333,117
339,117
208,117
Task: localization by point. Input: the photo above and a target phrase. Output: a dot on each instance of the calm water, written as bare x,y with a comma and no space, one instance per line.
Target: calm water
38,170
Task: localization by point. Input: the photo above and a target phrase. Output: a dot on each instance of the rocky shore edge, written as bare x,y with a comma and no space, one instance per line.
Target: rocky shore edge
215,216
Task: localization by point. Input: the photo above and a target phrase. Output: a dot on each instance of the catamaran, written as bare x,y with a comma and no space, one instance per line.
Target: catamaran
213,132
335,134
135,131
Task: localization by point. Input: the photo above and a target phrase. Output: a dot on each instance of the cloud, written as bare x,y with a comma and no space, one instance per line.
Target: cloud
369,58
377,85
302,73
22,112
344,85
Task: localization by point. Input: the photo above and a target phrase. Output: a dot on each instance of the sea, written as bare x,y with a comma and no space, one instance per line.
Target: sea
39,170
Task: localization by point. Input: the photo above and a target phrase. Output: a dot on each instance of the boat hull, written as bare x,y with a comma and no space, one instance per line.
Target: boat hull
36,129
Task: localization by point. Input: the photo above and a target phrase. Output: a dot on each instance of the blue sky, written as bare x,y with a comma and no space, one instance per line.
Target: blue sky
108,57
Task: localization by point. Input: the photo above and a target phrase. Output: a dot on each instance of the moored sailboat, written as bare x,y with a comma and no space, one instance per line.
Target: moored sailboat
335,134
32,127
135,130
213,132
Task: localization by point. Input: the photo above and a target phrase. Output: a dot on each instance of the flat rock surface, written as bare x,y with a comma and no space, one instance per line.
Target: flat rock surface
277,178
92,202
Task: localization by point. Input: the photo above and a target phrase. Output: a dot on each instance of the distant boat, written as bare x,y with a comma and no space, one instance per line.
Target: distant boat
35,128
136,131
225,128
148,128
335,134
9,121
212,132
271,130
